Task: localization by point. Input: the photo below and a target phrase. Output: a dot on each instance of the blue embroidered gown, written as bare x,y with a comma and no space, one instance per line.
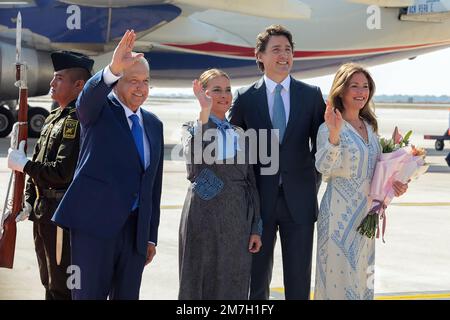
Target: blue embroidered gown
345,259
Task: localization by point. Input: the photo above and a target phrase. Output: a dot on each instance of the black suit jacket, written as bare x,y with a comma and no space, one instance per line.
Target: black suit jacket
296,153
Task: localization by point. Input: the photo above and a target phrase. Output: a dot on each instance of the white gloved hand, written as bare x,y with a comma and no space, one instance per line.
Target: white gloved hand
14,135
25,213
17,159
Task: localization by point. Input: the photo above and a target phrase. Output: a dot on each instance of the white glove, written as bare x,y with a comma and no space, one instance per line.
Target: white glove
14,135
25,213
17,159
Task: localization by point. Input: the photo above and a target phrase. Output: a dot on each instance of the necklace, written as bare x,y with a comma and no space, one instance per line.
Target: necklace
358,126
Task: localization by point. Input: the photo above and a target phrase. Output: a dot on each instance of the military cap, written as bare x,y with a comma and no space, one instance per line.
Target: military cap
69,59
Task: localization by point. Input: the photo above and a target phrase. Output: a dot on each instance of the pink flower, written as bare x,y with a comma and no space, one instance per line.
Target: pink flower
396,136
396,163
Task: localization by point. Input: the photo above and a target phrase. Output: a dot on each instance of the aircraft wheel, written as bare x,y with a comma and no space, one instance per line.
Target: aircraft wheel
36,119
439,145
6,121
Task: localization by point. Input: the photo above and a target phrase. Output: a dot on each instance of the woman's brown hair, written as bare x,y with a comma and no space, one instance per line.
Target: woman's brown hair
340,84
210,74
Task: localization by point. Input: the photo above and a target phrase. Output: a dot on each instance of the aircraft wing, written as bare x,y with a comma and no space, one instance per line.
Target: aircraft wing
185,12
13,4
280,9
385,3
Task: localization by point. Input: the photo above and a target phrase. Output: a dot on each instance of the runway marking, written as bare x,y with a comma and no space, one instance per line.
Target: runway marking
441,295
171,207
421,204
414,296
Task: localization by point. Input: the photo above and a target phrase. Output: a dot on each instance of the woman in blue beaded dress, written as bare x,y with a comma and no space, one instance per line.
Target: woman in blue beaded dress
347,152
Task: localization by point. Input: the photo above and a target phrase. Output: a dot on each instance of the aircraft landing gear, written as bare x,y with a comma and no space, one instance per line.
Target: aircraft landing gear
36,119
8,115
6,121
439,145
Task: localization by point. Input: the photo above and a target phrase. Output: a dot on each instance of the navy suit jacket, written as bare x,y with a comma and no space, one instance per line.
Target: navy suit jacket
109,174
296,159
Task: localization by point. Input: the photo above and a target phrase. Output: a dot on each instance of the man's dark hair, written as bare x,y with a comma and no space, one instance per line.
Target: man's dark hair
263,38
76,74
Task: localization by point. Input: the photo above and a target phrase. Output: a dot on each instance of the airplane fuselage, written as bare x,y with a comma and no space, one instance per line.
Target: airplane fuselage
181,41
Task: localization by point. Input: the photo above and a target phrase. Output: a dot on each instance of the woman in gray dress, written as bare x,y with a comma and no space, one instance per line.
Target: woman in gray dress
220,224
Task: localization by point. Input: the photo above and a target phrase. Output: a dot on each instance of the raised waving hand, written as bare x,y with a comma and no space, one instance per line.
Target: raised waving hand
123,56
204,99
334,122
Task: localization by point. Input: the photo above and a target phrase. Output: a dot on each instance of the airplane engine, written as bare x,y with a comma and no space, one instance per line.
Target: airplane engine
39,75
39,72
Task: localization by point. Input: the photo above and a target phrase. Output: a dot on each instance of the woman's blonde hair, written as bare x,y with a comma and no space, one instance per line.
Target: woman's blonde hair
210,74
340,84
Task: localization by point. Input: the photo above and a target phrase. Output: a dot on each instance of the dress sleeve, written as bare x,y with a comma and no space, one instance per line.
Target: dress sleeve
193,144
328,156
256,222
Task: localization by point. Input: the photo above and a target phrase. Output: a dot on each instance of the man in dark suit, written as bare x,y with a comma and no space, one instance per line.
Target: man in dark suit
112,206
289,197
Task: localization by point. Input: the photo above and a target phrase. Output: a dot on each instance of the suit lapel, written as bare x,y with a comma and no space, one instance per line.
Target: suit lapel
295,105
120,114
262,106
153,139
122,119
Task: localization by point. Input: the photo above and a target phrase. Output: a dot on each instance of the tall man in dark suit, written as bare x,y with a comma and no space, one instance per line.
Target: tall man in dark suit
112,206
289,197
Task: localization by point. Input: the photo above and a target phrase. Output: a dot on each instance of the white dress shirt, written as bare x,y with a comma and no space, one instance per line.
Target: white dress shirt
270,90
109,78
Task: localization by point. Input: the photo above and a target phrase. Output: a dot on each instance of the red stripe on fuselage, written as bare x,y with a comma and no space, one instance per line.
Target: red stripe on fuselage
237,51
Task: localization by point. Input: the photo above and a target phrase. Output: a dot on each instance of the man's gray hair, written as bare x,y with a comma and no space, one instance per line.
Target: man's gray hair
143,61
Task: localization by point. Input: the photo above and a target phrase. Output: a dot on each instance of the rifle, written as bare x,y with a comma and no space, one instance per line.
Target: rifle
8,228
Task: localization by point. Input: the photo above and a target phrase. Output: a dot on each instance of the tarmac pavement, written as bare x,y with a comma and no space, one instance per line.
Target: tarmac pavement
414,262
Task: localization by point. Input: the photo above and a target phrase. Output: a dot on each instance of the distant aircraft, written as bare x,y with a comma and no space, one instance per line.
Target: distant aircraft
184,37
439,143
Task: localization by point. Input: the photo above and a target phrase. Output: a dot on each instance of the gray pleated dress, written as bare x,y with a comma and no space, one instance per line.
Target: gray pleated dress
214,260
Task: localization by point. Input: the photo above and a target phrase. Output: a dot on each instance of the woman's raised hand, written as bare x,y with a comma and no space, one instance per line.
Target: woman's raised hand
334,122
203,96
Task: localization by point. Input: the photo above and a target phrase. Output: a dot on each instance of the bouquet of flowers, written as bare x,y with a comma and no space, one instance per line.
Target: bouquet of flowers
399,161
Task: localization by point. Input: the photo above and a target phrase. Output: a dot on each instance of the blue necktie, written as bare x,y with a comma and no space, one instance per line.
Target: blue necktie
279,114
136,131
138,137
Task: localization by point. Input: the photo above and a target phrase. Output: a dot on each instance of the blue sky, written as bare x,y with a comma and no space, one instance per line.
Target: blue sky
428,74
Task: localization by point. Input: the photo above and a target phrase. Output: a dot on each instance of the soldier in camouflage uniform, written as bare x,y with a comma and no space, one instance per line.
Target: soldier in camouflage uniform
51,171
